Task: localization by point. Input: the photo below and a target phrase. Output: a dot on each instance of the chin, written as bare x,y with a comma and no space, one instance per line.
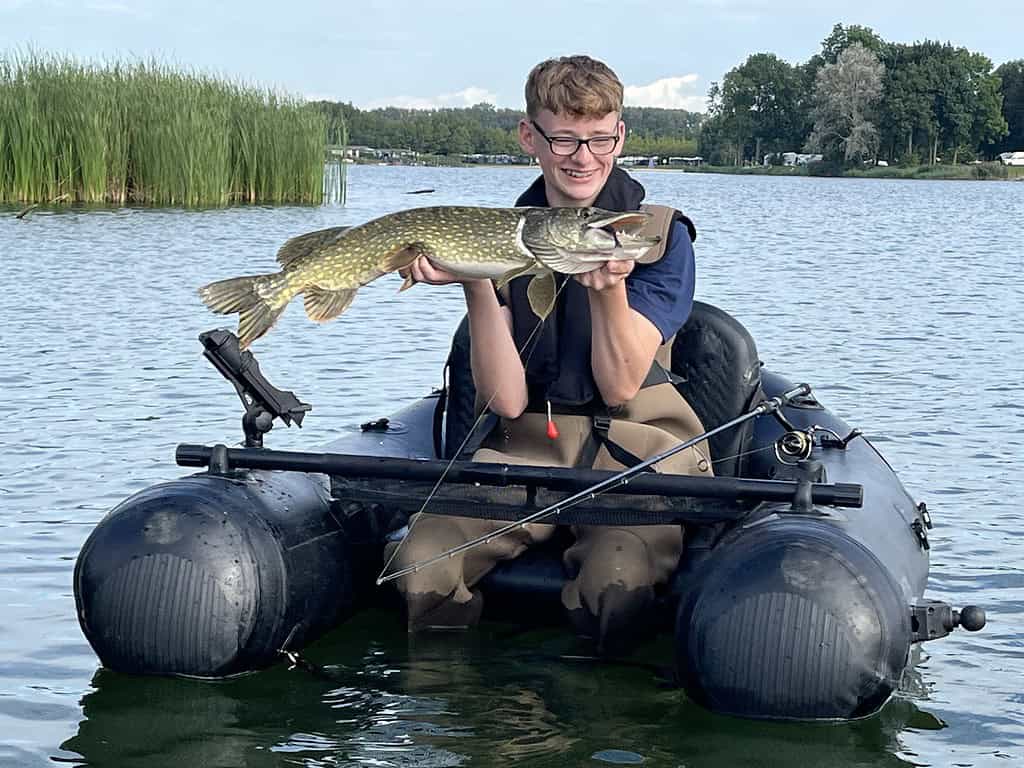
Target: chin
583,192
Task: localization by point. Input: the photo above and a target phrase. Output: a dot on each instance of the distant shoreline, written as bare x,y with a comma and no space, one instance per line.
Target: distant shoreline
989,171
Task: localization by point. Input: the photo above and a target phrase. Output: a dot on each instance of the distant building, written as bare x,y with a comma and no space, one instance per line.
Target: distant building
485,159
792,158
384,155
651,161
355,151
1012,158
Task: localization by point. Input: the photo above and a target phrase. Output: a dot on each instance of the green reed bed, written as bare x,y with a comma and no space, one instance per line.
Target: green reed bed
144,133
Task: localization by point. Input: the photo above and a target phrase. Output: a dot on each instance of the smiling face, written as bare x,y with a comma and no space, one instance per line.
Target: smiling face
576,180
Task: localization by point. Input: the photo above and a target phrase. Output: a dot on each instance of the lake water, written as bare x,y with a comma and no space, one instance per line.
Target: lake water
899,301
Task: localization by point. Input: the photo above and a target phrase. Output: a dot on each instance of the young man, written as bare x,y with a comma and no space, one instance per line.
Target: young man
598,363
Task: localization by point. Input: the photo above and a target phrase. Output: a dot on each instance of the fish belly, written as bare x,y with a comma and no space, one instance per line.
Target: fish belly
479,270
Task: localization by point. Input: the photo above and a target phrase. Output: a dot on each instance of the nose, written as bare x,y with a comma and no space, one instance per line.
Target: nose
578,154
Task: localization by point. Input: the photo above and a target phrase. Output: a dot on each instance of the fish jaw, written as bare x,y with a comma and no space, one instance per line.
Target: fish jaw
619,221
596,236
623,228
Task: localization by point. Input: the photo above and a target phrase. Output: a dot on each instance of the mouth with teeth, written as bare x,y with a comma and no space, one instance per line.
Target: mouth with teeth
578,175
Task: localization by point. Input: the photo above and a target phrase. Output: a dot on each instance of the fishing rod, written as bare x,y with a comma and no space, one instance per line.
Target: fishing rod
772,405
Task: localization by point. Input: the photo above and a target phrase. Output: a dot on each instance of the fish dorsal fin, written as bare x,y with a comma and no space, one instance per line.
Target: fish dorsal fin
322,305
541,293
301,245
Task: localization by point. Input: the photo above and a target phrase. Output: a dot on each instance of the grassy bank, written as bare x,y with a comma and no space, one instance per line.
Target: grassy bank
995,171
144,133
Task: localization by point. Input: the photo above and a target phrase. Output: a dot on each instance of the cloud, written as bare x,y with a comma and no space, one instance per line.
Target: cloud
467,97
668,93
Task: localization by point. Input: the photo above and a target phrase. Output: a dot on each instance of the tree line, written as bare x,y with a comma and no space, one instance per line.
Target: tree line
862,98
485,129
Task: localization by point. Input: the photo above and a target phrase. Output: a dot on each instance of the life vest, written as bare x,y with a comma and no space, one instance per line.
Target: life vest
561,387
556,353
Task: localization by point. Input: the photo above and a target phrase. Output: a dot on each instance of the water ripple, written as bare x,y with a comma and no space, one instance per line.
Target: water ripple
903,316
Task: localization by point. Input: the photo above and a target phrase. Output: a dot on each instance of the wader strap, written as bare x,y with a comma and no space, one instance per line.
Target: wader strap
598,437
661,375
602,423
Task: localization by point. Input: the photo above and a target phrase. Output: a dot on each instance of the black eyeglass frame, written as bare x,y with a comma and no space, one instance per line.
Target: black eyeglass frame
579,142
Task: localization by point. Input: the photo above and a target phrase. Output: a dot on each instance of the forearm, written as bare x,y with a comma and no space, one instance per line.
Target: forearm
497,369
623,345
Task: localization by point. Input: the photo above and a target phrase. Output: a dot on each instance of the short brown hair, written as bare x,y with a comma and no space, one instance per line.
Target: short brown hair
573,85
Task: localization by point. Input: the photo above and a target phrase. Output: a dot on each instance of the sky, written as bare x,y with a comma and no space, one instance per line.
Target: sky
438,53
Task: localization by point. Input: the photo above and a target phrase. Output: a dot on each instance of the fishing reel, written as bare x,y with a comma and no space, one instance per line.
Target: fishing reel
796,445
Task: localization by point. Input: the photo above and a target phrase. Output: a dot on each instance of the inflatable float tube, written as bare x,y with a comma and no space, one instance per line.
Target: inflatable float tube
799,594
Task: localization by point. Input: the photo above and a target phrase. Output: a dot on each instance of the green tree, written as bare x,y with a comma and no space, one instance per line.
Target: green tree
907,101
842,38
1011,77
460,142
988,124
757,108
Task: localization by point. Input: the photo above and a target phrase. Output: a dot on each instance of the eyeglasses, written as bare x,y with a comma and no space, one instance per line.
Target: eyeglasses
567,146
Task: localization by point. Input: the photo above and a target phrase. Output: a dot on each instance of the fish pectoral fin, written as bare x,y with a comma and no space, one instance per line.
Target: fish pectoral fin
513,273
322,305
404,256
541,293
299,246
410,281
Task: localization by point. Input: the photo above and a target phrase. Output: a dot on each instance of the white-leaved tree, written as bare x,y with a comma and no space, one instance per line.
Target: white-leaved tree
845,95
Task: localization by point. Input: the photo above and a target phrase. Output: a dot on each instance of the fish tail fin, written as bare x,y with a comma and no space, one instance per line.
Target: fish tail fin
257,308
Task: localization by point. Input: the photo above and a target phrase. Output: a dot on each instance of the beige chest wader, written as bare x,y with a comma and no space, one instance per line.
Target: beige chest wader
612,570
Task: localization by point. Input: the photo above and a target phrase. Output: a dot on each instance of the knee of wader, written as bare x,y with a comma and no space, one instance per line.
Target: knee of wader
611,596
618,558
427,538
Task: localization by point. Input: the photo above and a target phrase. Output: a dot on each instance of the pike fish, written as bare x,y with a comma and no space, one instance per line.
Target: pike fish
328,266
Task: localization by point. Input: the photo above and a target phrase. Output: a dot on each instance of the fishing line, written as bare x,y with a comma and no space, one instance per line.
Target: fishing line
621,479
413,519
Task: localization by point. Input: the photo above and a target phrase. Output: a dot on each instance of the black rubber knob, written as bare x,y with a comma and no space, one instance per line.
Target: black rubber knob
972,618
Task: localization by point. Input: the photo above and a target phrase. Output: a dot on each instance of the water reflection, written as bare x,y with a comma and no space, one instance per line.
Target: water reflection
482,698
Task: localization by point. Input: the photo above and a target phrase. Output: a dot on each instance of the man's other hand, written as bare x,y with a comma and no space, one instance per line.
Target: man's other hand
608,276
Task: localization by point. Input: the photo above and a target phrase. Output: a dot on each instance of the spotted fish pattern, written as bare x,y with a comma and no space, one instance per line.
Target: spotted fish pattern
328,266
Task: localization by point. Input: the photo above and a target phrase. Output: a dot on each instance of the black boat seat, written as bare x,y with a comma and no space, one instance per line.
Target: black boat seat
717,359
713,353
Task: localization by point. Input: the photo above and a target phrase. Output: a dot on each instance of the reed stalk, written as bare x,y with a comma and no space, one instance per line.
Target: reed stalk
145,133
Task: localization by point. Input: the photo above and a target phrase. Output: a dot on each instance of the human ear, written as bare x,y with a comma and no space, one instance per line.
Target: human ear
621,132
526,138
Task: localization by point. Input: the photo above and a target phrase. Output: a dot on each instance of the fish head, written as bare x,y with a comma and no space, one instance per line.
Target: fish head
591,236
